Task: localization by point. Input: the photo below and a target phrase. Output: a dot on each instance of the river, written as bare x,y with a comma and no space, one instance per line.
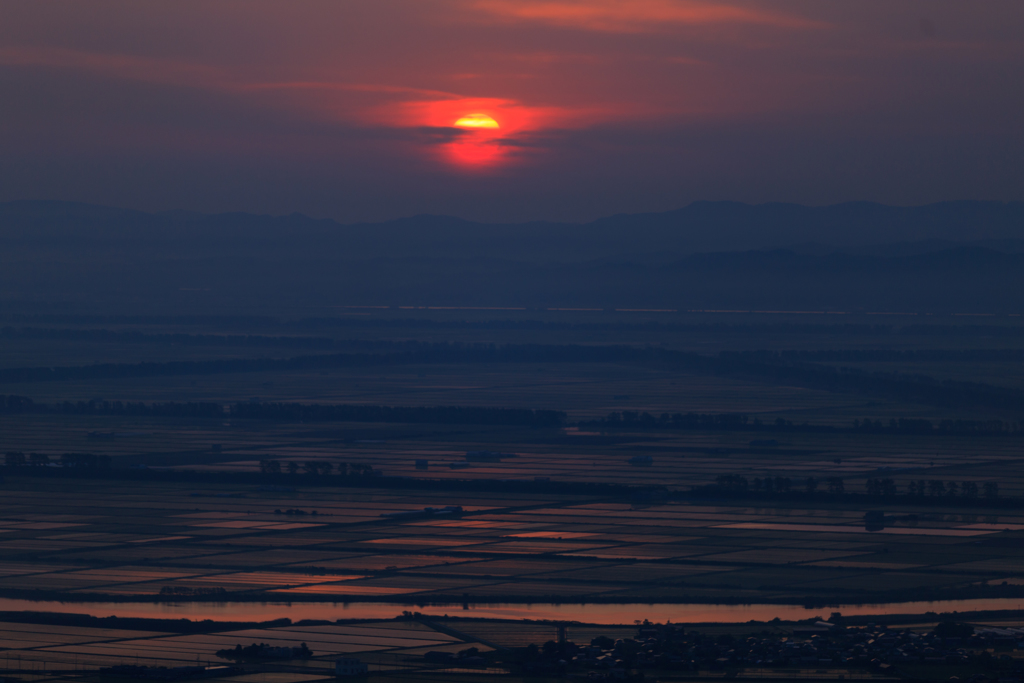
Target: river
591,613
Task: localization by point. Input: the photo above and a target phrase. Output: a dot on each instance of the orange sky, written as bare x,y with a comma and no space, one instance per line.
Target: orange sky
347,109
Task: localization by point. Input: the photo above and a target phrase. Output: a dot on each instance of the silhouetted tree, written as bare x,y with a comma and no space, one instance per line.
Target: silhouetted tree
881,487
732,482
84,461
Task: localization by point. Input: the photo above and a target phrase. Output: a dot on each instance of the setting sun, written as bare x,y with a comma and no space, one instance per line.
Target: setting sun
476,121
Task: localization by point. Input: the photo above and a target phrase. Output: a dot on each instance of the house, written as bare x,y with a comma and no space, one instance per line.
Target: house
349,666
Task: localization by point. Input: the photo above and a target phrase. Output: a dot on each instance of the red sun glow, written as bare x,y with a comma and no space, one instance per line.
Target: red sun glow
478,128
480,133
479,145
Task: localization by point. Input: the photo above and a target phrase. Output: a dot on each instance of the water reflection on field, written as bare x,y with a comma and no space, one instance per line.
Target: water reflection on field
593,613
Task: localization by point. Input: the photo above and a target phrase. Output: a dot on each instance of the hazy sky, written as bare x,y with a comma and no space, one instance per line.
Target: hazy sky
349,108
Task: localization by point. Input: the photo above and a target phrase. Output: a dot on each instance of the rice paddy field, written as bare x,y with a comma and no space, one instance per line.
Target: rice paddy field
102,540
571,514
389,645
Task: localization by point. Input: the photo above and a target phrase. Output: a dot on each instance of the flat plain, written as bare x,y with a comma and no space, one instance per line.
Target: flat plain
225,510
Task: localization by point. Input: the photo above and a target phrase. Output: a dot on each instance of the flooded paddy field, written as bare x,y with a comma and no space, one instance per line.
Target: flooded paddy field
101,539
28,646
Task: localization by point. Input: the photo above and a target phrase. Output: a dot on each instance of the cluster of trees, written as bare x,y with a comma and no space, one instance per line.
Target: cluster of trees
22,404
264,651
19,459
950,427
628,419
303,412
833,485
873,487
965,489
732,482
881,487
88,461
736,482
773,484
317,468
933,487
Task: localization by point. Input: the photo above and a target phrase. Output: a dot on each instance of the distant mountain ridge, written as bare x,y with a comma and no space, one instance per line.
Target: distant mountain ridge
960,257
696,228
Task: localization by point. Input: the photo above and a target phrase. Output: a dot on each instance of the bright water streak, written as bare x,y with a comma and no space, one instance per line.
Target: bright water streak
592,614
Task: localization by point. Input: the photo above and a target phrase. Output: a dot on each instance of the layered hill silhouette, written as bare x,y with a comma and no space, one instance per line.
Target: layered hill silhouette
699,227
957,256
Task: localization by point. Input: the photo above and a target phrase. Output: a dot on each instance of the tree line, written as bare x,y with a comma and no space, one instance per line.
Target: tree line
947,426
634,420
625,420
875,487
318,468
81,461
297,412
304,412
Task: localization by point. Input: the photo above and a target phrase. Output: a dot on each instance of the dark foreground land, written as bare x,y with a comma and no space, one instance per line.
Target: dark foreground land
413,647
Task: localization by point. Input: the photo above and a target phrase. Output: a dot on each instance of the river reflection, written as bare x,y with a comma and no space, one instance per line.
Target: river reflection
594,614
